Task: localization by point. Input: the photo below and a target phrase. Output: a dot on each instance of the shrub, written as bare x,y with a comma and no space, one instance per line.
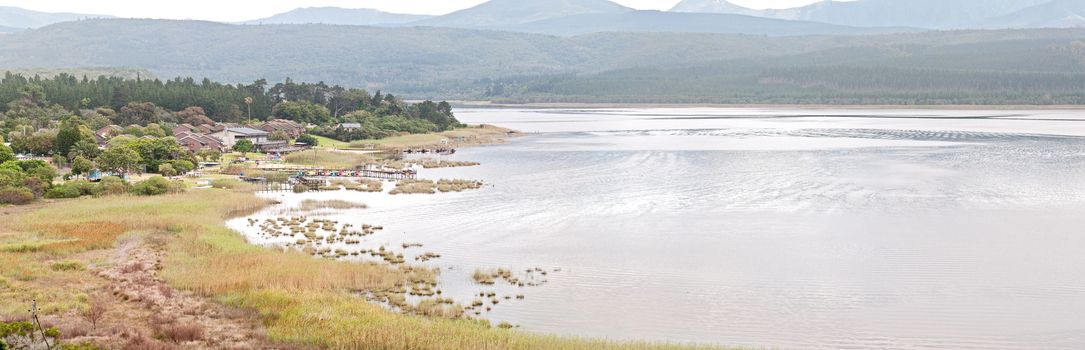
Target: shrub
16,195
64,191
67,266
299,188
112,185
155,186
180,333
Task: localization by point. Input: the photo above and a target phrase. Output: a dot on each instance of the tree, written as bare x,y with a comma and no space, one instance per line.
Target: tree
155,130
84,148
183,166
81,166
211,155
136,113
68,135
119,159
167,170
302,112
308,140
244,146
6,154
248,102
279,135
194,116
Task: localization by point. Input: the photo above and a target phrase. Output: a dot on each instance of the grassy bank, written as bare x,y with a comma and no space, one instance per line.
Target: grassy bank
300,300
472,135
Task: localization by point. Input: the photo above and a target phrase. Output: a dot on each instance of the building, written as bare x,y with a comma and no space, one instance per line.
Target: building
350,126
108,132
198,142
230,136
290,128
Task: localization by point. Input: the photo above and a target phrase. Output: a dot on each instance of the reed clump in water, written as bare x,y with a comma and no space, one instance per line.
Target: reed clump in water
414,187
430,163
369,185
456,185
312,204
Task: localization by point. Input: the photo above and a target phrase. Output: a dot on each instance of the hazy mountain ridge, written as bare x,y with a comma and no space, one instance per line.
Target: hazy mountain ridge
498,13
1057,13
935,14
674,22
15,18
419,61
339,16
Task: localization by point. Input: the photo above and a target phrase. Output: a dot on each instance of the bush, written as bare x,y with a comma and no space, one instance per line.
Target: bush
16,195
299,188
155,186
112,185
64,191
167,169
308,140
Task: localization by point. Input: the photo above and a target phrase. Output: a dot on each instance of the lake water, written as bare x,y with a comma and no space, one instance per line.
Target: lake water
806,229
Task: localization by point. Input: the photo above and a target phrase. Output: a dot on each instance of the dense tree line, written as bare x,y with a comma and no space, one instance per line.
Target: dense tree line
139,101
756,83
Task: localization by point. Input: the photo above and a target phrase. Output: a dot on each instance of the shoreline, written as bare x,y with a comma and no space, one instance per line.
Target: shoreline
562,105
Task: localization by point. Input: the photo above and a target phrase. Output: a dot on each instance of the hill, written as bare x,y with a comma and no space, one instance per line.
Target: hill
14,17
714,6
938,14
675,22
499,13
337,15
449,63
1054,14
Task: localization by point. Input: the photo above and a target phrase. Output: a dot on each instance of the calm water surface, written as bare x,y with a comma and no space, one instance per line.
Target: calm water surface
806,229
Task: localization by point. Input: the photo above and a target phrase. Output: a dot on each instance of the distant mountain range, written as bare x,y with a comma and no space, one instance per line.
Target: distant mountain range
576,17
15,19
673,22
340,16
932,14
499,13
450,63
1054,14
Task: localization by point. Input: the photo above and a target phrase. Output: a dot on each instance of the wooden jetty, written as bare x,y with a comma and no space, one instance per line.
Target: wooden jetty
443,150
316,172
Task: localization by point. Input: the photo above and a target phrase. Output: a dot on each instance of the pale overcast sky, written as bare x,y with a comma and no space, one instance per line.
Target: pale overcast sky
238,10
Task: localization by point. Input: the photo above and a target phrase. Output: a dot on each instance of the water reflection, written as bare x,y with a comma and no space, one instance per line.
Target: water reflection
824,229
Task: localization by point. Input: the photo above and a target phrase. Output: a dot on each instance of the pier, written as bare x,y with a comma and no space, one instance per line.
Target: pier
317,173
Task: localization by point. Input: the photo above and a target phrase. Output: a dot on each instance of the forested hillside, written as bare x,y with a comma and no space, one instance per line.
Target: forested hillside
1004,66
1017,72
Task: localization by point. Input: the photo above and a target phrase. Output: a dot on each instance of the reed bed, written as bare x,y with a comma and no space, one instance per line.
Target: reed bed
414,187
456,185
302,300
312,204
430,163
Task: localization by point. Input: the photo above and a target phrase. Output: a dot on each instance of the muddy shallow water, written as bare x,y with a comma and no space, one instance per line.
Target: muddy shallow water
764,227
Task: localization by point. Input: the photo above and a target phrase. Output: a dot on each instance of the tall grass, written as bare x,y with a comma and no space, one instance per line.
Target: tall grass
329,159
